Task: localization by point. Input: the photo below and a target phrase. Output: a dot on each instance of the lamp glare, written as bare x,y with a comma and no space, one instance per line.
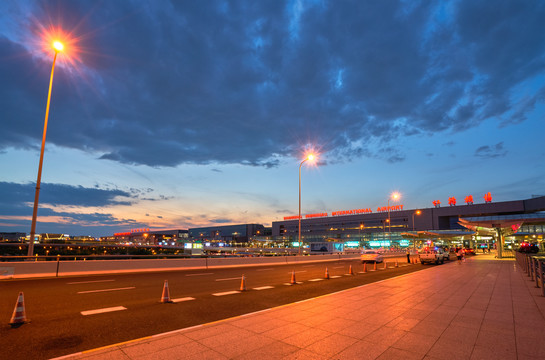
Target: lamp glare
58,46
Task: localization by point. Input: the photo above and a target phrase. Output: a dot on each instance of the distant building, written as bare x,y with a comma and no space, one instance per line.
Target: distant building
147,237
12,236
230,234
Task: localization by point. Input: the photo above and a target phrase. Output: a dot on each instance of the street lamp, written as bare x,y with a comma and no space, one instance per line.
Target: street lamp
57,46
394,197
310,157
417,212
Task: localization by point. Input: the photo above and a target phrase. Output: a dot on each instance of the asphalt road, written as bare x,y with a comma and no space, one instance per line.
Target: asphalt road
66,314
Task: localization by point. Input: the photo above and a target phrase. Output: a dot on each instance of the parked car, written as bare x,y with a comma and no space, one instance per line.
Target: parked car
431,255
528,248
371,256
451,254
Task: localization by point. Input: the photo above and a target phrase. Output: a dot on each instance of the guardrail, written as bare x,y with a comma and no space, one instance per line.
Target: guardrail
65,267
534,267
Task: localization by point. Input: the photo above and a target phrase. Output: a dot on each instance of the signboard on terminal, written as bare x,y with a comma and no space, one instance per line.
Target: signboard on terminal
347,212
351,212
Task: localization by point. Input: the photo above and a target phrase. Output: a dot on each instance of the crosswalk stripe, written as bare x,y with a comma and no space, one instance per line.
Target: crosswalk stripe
182,299
104,310
226,293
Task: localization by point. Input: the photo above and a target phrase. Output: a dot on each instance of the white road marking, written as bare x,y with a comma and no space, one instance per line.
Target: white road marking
315,279
104,290
334,276
298,271
308,266
289,284
88,282
226,293
263,288
199,274
338,267
182,299
235,278
105,310
264,269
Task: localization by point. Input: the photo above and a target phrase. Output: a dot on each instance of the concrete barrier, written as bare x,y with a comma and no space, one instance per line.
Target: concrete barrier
32,269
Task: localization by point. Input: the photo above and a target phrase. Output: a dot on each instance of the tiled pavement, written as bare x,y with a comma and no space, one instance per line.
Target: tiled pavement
479,309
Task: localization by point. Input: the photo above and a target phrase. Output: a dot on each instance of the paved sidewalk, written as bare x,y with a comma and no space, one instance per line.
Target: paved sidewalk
483,308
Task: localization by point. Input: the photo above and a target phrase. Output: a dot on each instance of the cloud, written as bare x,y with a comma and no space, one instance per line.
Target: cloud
61,194
221,221
163,84
490,152
65,208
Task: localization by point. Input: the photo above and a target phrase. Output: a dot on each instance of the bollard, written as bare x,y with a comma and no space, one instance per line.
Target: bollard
58,260
541,276
538,273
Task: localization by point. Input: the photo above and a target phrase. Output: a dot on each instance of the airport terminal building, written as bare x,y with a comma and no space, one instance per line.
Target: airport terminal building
398,226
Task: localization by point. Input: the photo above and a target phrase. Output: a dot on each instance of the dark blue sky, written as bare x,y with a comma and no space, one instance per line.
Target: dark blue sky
183,113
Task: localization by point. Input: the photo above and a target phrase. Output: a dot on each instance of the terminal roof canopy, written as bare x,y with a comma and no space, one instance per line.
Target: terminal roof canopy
437,234
505,222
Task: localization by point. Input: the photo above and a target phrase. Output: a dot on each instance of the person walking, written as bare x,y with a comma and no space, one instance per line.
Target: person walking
408,255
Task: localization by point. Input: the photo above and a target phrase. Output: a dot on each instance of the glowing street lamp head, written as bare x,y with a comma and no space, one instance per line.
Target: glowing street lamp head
395,196
58,46
418,212
310,157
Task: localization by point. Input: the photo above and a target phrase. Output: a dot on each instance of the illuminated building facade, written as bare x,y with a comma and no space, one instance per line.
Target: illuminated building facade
382,227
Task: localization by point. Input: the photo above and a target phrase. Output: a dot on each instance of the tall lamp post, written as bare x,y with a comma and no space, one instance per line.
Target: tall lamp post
309,157
394,197
417,212
57,46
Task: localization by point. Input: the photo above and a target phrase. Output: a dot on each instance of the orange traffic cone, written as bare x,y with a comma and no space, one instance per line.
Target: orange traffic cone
326,273
165,298
19,315
293,282
243,283
396,265
364,268
350,272
375,266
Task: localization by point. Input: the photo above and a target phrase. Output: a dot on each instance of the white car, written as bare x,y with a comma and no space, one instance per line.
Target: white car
371,256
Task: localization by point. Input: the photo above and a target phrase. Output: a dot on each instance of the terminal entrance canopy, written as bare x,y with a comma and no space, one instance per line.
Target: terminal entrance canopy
500,225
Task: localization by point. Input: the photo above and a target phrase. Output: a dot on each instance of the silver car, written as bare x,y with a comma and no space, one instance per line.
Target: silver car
371,256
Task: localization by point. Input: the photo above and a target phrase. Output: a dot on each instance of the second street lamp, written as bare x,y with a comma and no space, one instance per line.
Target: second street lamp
57,46
394,197
417,212
311,158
